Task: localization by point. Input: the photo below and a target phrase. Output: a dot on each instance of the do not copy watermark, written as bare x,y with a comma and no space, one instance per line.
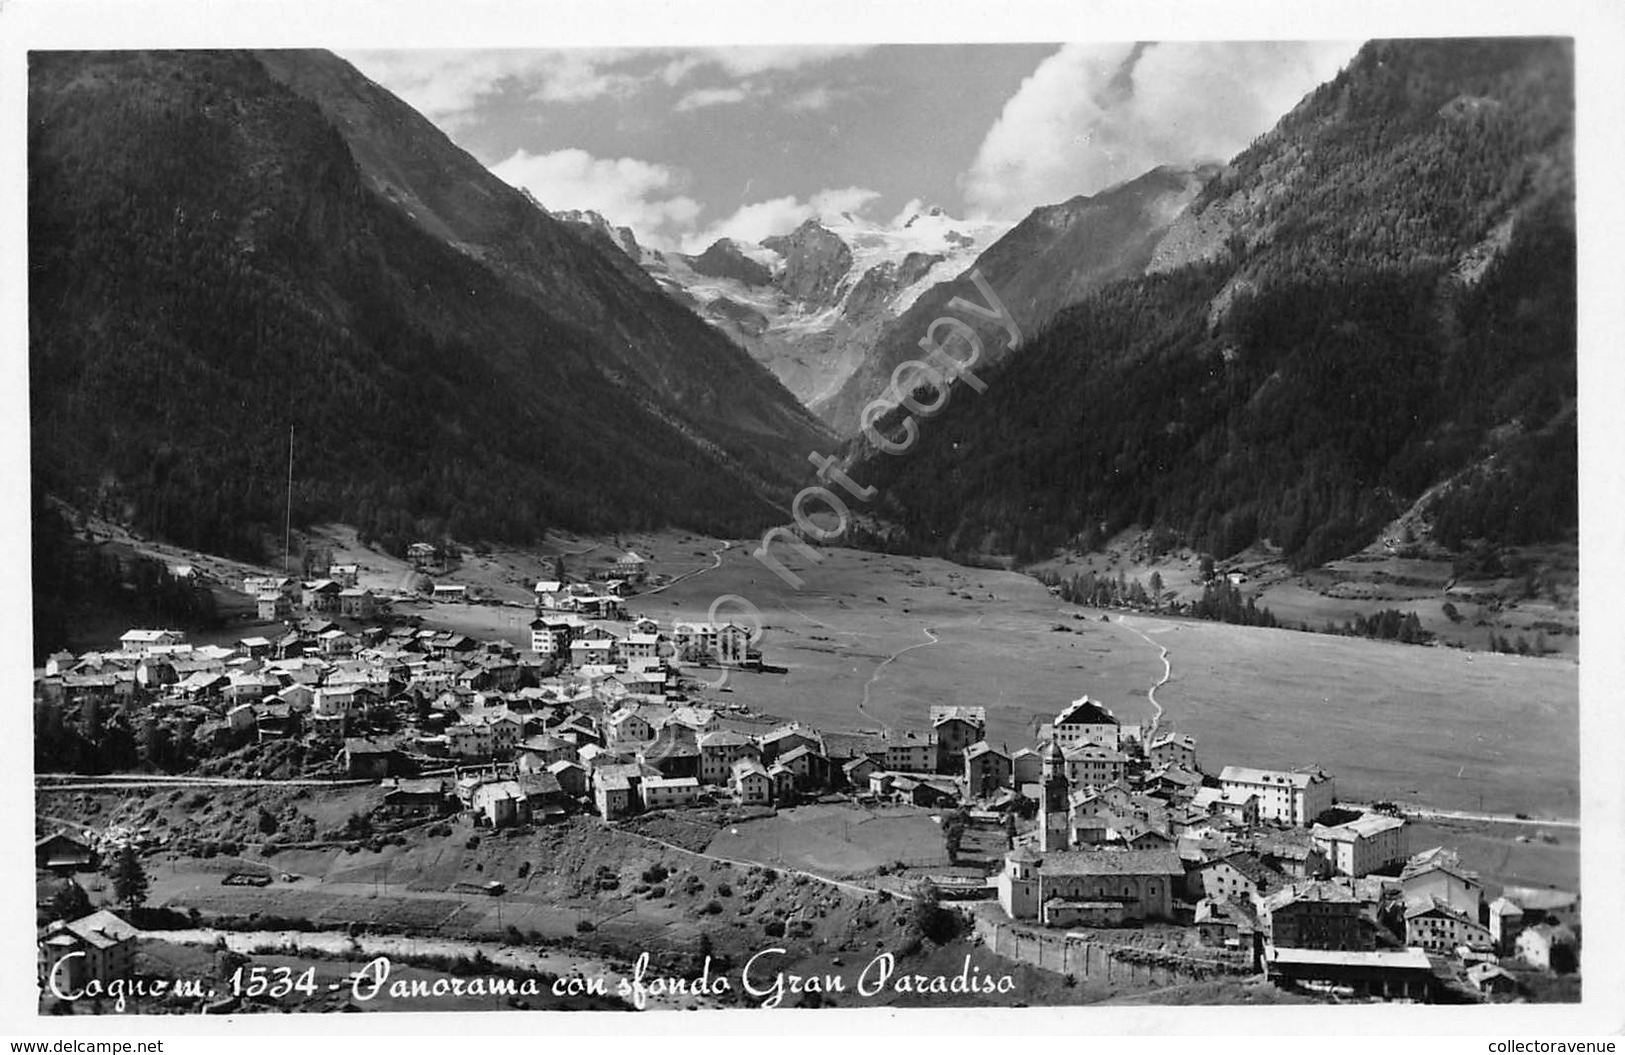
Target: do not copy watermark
936,373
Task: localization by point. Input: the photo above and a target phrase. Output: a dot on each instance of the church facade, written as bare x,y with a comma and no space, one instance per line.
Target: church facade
1089,887
1059,886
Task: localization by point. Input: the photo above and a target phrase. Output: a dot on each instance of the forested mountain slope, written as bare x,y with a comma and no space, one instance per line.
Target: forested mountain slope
1376,297
1054,257
224,246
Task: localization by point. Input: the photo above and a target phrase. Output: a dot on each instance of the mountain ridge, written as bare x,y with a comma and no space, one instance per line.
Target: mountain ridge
289,245
1375,296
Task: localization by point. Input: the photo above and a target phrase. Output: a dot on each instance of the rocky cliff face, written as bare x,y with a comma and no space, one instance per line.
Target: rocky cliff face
723,259
809,305
593,222
885,281
815,262
1054,257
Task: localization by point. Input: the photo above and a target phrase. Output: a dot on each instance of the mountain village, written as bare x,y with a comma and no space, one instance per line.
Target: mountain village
1106,826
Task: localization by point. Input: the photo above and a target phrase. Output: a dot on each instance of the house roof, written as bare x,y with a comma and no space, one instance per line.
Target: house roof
1389,958
1113,862
151,637
1247,775
672,741
1320,892
1433,904
1441,858
1255,870
972,715
1366,827
671,782
724,738
499,789
103,929
1084,711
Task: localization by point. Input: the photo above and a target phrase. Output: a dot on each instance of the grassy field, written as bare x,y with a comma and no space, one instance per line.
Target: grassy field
1493,850
1441,726
843,841
871,641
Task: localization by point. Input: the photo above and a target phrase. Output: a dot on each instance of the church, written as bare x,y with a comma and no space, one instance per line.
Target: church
1061,887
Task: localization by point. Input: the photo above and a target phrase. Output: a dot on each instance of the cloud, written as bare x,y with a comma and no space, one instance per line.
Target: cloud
758,220
820,97
746,61
643,195
648,197
704,97
448,86
1091,116
581,76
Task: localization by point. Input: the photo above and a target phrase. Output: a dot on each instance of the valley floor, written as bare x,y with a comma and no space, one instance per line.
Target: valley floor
873,640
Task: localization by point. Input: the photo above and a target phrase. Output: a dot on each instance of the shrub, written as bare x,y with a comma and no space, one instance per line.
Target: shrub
473,842
725,890
524,869
773,928
583,926
656,893
655,873
712,907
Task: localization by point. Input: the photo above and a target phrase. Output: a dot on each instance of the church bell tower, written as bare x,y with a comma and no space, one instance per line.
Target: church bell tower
1054,806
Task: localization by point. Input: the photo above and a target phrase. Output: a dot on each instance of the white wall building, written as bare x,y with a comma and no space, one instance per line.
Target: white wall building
1290,797
1362,846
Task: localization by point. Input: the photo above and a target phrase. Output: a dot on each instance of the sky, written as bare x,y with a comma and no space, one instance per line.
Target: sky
686,145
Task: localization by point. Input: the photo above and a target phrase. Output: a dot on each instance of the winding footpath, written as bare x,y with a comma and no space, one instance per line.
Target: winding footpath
1151,693
868,686
716,562
1409,809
